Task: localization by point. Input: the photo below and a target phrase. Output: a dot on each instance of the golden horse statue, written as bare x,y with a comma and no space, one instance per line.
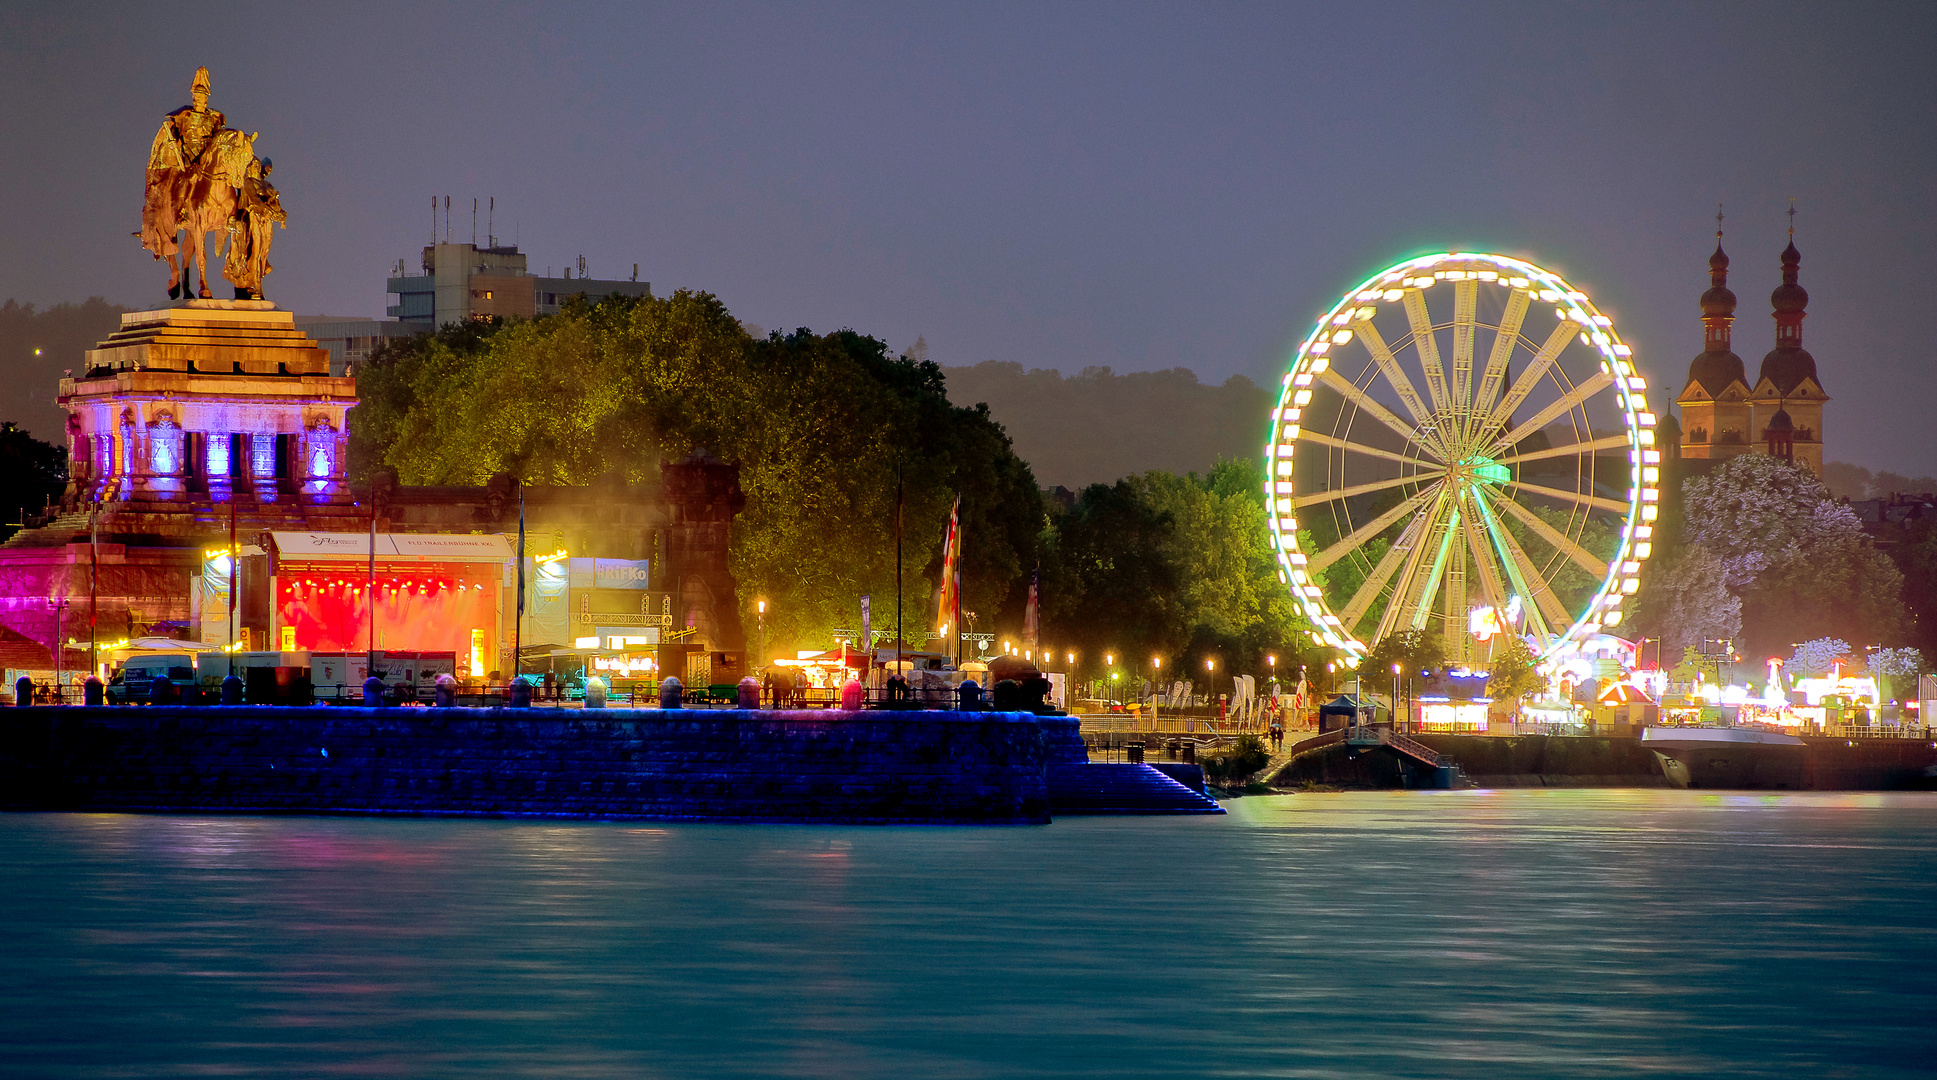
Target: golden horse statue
196,169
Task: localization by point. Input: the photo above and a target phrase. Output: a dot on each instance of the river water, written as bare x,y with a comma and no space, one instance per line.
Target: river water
1482,934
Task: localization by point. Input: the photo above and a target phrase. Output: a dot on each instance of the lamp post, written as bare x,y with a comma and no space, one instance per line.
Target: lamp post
1156,664
760,657
59,608
1395,697
1109,663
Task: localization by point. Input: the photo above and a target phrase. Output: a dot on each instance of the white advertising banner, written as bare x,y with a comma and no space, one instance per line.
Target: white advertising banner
414,547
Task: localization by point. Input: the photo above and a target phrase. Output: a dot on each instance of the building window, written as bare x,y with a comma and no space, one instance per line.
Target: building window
218,454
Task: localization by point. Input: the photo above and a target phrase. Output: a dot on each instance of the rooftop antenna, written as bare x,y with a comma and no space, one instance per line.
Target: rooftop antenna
635,269
491,223
433,220
447,219
474,221
581,266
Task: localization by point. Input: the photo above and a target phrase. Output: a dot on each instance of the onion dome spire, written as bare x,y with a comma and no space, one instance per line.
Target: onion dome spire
1717,367
1787,365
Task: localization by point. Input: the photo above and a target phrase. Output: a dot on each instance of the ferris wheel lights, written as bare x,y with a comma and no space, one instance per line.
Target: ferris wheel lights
1646,419
1319,365
1341,318
1341,337
1302,397
1519,283
1489,275
1393,294
1320,348
1651,457
1641,551
1550,296
1649,513
1366,313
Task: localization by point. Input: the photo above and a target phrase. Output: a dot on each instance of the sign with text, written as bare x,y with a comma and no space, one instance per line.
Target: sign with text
621,573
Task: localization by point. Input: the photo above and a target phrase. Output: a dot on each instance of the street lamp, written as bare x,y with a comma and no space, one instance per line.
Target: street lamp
1156,663
59,608
760,658
1395,697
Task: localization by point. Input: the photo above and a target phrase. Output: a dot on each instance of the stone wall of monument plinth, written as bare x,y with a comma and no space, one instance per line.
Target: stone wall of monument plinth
689,764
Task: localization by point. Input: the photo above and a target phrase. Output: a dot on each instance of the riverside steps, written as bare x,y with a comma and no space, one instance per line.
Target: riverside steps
808,766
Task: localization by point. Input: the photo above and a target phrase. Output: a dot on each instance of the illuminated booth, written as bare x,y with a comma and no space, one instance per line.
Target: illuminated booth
432,593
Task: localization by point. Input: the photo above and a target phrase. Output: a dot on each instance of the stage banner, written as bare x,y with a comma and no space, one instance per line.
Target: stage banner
622,574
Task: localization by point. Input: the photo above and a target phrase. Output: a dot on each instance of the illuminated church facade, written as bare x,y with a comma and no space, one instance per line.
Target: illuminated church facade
1723,414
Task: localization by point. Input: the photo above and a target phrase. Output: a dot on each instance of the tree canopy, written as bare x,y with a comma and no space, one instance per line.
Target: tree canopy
821,425
1798,560
1180,567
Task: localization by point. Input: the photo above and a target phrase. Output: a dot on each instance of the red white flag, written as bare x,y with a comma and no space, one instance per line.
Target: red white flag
948,616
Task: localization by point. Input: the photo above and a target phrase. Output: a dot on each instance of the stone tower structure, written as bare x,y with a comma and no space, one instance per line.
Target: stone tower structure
1788,398
1716,417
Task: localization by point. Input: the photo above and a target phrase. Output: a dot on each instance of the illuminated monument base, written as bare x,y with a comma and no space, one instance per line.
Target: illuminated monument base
189,416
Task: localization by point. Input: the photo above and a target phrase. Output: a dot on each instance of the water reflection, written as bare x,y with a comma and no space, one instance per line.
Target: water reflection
1530,933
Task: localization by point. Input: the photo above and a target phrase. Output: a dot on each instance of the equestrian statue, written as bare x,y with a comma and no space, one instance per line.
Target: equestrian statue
204,180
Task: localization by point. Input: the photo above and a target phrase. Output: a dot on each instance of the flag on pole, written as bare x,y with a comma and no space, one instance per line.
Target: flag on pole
948,614
1032,615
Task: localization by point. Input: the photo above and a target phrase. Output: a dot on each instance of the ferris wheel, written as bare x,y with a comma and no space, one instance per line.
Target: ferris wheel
1463,447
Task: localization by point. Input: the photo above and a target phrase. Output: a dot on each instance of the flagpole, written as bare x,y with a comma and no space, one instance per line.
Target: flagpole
229,668
370,589
93,583
898,635
518,622
955,615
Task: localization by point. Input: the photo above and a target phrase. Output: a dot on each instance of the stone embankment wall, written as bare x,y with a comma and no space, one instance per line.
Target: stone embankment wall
1491,761
804,766
1590,761
1867,764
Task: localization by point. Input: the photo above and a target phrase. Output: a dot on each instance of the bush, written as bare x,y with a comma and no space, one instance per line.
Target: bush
1237,762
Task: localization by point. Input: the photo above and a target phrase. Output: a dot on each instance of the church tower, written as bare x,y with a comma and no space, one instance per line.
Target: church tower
1715,411
1788,397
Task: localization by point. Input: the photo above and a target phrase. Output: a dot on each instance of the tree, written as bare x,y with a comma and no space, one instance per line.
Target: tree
1799,561
1514,672
1110,581
1415,651
1891,664
824,428
1817,657
31,472
36,345
1688,601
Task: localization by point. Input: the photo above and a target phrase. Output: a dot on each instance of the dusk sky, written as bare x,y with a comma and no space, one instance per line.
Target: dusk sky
1058,185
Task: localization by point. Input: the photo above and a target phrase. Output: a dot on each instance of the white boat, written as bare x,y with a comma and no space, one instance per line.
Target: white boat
1727,757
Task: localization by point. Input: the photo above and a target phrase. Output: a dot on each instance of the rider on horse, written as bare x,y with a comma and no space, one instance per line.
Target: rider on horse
174,160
